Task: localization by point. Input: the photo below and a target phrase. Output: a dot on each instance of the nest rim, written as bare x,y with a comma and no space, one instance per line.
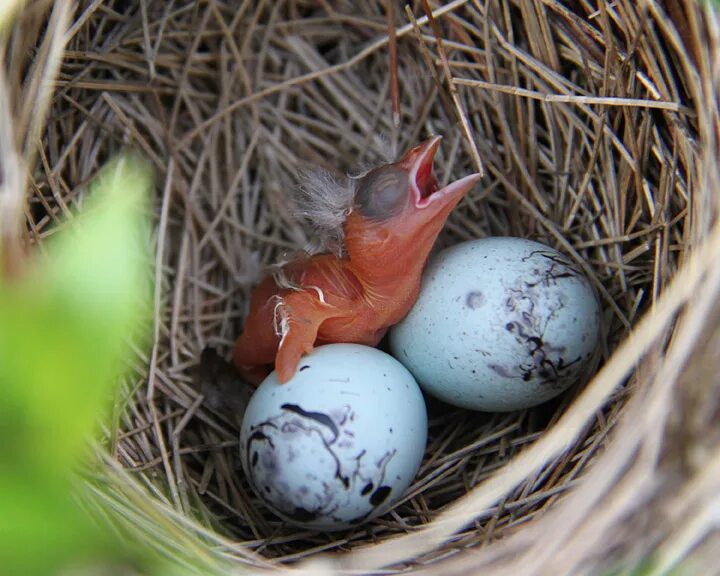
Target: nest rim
672,134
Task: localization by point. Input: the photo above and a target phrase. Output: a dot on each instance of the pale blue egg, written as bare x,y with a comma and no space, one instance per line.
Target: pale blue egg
340,442
500,324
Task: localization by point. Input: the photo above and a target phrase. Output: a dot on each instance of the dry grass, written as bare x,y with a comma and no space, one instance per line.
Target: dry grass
596,124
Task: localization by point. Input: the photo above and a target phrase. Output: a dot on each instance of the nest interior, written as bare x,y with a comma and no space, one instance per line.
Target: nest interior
586,116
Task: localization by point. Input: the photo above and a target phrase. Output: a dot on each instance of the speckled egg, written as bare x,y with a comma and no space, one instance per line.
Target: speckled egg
501,324
340,442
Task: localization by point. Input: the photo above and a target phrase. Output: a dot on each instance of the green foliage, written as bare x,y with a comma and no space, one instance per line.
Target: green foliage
64,327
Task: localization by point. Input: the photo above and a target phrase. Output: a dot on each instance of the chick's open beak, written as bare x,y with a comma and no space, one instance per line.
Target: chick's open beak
426,190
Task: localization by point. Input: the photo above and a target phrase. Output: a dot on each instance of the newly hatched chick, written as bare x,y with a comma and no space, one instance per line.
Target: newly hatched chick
393,216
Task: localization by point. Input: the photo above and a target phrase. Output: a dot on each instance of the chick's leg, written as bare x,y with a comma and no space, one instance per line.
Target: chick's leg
300,315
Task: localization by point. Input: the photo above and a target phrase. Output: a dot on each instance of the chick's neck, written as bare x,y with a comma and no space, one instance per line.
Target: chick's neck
389,256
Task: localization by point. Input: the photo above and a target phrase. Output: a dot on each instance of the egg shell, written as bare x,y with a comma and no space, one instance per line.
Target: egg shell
340,442
500,324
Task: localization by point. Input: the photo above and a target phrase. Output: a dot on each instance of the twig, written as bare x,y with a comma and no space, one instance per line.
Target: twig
392,49
152,371
428,59
571,99
12,186
462,117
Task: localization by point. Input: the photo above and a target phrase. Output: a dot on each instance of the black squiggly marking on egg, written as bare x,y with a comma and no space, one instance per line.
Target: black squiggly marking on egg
259,435
324,420
554,257
380,495
318,417
366,489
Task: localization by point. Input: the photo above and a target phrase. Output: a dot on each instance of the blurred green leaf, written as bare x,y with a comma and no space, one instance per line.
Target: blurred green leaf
64,328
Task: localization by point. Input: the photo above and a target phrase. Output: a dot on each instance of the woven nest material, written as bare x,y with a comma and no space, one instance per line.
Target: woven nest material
596,124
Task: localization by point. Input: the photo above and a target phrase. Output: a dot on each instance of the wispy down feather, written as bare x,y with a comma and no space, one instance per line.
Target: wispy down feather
324,201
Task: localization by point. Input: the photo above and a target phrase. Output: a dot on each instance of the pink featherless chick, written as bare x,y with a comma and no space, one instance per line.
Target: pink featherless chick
389,221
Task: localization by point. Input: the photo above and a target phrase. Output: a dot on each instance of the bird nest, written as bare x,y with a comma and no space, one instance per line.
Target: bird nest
595,124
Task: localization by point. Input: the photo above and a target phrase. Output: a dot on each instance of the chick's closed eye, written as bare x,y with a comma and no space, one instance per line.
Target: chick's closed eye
382,192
